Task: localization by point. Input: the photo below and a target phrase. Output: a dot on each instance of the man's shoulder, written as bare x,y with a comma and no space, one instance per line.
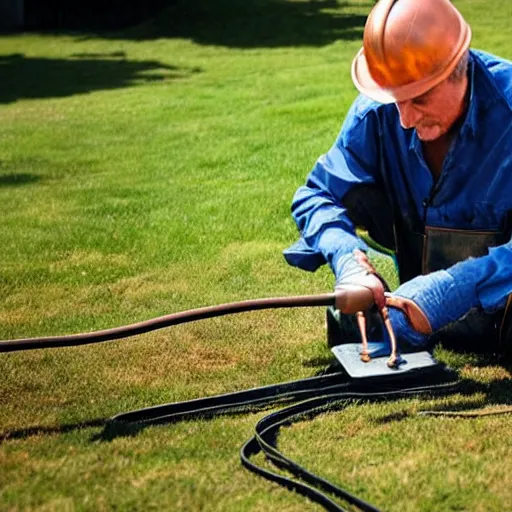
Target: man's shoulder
364,106
499,72
490,60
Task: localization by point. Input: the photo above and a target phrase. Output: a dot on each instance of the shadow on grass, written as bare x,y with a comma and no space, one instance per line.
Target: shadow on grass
16,180
495,393
250,23
113,429
257,23
57,429
24,77
323,365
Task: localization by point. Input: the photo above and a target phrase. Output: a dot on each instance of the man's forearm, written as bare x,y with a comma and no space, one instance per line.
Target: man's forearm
490,277
448,295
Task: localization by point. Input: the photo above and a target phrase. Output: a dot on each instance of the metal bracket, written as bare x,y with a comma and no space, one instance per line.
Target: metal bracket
349,357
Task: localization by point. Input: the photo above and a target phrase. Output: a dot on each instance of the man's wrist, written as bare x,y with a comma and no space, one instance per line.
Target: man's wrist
352,264
335,243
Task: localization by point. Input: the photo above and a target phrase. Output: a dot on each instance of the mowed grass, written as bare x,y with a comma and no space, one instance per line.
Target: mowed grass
151,171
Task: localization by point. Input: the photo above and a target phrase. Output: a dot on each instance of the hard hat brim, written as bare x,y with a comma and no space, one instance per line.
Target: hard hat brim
366,85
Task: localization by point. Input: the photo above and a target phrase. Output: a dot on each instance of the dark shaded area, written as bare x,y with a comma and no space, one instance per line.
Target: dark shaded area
16,180
255,23
391,418
24,77
325,365
57,429
89,14
496,393
112,429
233,23
320,362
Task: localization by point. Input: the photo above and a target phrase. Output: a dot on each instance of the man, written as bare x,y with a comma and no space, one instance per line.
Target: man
423,162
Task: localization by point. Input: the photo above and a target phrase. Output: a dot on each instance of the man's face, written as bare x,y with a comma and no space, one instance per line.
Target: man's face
435,112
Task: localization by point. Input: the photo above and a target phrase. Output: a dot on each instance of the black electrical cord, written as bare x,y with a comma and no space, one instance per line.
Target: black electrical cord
316,393
313,486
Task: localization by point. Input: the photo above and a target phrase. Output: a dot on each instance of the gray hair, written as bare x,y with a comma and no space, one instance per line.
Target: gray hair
460,70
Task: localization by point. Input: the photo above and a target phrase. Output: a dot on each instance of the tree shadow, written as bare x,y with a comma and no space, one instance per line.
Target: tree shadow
251,23
89,13
16,180
24,77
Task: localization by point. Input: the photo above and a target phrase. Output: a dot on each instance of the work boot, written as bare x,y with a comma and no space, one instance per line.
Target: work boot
341,328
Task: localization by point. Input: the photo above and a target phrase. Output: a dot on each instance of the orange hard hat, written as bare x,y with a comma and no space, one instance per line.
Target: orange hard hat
409,46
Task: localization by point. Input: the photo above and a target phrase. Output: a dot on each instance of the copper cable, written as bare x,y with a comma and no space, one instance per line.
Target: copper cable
326,299
347,300
361,324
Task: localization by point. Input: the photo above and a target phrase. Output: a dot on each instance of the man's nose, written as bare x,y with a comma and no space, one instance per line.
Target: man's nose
409,115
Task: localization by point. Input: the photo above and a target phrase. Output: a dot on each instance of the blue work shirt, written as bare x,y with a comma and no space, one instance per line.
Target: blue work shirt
474,189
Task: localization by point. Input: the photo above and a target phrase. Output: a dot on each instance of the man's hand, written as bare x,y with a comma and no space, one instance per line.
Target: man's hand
356,270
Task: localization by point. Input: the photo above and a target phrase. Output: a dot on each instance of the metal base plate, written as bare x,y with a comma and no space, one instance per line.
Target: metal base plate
348,356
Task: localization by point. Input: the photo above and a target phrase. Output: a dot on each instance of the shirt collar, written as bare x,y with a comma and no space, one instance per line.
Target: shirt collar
469,125
482,93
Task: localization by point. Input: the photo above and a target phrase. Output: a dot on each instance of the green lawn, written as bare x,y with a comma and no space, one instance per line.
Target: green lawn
151,171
